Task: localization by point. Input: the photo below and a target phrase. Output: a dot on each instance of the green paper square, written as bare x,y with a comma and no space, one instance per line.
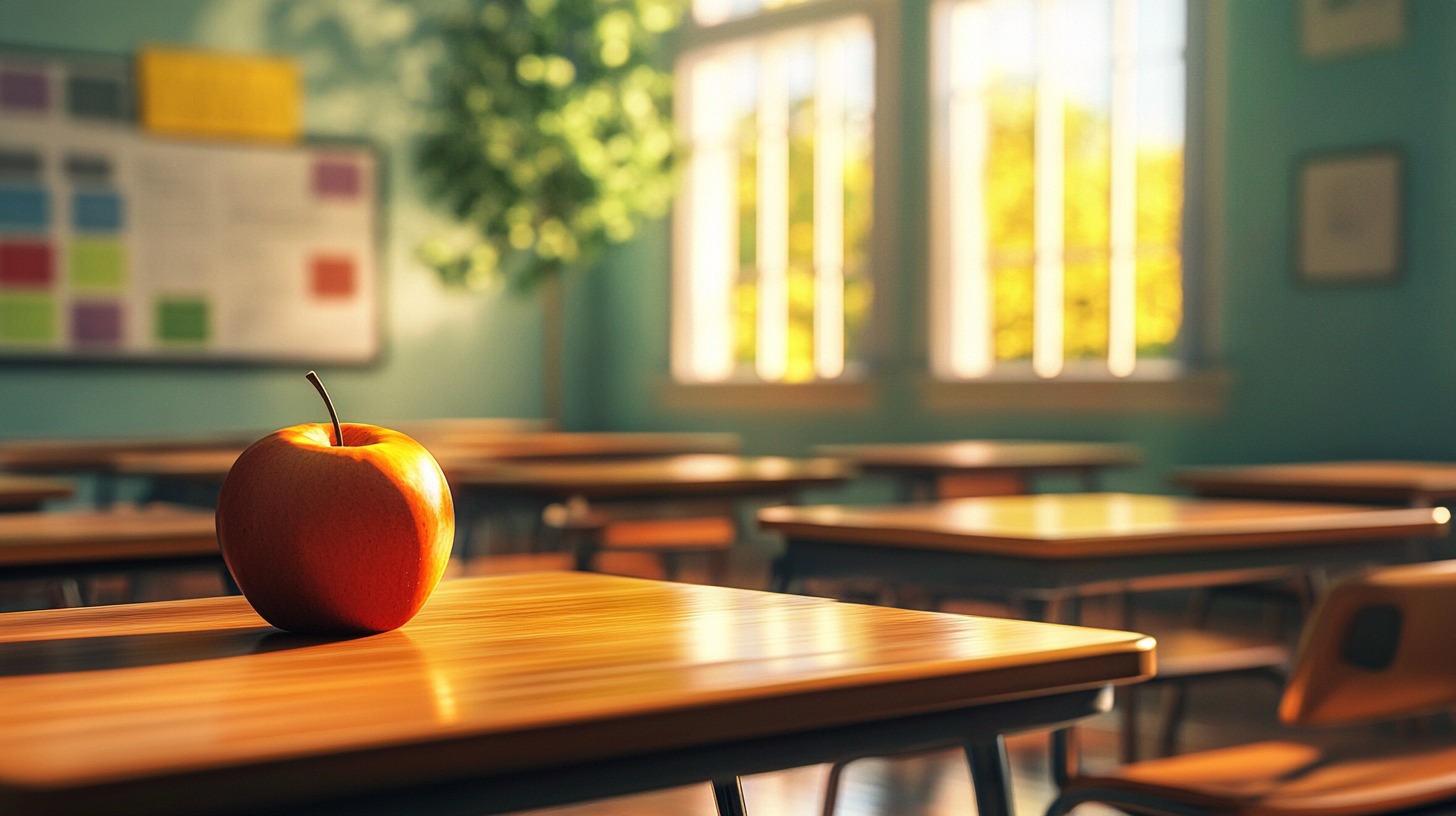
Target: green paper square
97,264
183,321
29,320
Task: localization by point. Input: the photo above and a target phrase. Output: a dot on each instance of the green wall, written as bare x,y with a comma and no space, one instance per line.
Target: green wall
365,65
1360,371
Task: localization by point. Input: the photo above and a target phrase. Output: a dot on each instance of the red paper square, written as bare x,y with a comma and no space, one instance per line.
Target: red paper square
28,264
333,276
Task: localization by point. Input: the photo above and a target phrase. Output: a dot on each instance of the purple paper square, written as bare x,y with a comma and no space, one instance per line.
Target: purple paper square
336,178
24,90
96,323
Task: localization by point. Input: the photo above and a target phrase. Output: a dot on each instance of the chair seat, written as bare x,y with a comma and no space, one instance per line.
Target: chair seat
1185,653
1279,778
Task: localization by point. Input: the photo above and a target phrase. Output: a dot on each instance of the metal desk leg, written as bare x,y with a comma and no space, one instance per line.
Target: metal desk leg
990,777
728,794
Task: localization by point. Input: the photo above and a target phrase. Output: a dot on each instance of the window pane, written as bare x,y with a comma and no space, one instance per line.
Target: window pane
799,190
1058,183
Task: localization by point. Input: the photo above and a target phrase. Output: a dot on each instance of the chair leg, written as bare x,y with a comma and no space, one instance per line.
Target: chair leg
1174,709
1127,703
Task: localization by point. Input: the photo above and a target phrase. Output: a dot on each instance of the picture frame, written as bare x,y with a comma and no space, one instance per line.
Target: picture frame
1349,217
1336,28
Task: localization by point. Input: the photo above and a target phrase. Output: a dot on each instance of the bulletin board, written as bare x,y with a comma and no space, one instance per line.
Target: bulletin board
118,244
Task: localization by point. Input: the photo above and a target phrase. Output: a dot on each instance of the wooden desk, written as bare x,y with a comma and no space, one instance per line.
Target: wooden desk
576,445
23,493
513,693
74,545
94,458
983,467
95,455
1044,551
194,475
576,493
1416,484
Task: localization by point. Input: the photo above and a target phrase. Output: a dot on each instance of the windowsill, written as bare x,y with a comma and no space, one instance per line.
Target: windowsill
1202,393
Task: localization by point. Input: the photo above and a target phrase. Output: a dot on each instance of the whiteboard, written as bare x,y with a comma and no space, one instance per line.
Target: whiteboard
115,244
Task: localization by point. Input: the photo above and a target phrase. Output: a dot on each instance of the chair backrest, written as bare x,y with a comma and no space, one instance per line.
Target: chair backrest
1381,645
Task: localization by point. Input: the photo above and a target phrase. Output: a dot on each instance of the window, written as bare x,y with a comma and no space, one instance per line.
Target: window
772,226
1057,182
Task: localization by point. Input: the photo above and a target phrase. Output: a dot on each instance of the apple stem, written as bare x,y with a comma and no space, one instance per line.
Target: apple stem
317,383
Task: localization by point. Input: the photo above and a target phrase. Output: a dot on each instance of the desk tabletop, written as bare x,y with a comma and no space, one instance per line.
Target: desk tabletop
687,474
477,452
138,708
1394,481
1079,525
579,444
24,492
986,454
121,534
82,454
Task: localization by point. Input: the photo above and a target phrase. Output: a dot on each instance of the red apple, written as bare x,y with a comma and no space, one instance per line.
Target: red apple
336,533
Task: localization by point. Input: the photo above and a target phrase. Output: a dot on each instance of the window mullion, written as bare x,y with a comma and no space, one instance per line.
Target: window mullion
1048,315
829,207
772,357
1122,281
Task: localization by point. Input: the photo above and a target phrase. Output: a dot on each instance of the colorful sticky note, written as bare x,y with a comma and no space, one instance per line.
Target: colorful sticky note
96,211
24,89
97,263
96,323
29,319
183,321
336,178
197,93
26,265
24,208
333,276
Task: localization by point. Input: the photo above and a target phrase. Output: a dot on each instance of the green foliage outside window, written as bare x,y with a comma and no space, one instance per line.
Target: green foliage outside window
1009,201
553,136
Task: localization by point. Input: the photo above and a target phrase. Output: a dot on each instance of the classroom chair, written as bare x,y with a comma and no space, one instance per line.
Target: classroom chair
1377,649
1197,650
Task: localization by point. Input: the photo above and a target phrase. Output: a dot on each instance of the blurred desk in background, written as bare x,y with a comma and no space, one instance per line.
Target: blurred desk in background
29,493
1415,484
1044,552
665,504
194,475
983,467
66,548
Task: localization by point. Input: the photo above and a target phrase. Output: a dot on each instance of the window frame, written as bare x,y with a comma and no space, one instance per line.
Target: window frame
1197,385
848,389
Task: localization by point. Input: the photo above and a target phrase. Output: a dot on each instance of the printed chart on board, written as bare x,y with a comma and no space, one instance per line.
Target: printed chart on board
119,244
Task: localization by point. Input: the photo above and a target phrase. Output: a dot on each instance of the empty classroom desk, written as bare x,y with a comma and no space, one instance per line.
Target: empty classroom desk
94,458
983,467
517,692
1044,552
194,475
73,545
26,493
651,498
1416,484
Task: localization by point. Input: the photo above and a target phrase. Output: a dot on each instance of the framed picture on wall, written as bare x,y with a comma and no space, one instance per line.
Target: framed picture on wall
1334,28
1348,217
